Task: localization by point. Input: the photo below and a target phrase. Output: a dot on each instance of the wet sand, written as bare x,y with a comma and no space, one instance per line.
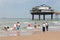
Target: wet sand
35,36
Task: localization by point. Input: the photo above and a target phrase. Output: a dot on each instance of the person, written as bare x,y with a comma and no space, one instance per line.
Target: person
43,26
46,26
6,28
29,24
17,26
14,27
38,28
35,24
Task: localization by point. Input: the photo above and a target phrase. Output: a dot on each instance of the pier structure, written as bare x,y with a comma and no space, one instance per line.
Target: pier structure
42,10
56,15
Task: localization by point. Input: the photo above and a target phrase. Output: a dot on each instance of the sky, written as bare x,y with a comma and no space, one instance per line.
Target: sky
21,8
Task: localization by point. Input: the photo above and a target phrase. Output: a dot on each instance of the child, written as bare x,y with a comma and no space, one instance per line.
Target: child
38,28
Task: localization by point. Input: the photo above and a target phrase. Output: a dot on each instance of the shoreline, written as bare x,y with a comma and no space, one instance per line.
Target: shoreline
26,32
38,36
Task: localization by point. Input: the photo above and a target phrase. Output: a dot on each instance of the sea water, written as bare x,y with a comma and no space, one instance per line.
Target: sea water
24,21
54,25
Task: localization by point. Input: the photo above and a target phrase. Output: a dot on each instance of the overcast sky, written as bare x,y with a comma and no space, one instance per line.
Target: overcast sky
21,8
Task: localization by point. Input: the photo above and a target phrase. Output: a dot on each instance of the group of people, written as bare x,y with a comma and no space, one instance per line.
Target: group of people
45,26
17,26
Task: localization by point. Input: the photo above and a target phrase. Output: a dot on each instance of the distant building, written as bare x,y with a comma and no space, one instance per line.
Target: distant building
42,10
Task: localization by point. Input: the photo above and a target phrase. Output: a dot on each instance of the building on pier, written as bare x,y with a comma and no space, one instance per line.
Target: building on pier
42,10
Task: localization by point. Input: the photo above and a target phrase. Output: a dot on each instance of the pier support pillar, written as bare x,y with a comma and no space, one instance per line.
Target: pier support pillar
32,16
51,16
44,17
39,17
56,16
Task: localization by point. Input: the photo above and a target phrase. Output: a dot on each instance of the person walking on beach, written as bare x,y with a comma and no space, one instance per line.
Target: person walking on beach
43,27
46,26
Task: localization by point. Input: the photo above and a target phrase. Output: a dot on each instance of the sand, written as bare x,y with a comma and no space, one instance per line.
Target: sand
36,36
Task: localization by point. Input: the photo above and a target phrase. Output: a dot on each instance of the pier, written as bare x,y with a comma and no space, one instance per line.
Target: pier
42,10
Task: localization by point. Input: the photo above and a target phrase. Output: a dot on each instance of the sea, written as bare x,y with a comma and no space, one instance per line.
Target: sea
24,21
54,25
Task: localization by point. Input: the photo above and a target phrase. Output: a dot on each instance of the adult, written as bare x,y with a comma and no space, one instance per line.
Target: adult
17,26
46,26
29,24
14,27
6,28
43,27
35,24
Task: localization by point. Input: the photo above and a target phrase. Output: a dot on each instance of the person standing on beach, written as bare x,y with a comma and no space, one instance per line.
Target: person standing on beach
29,24
17,27
46,26
14,28
35,24
38,28
43,27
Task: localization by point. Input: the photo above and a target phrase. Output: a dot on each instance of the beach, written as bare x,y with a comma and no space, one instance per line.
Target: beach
38,36
29,20
29,33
